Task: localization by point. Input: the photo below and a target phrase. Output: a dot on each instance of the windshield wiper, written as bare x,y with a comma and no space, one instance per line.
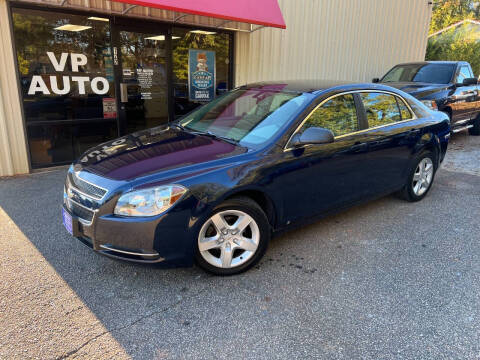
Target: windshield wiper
178,126
215,136
204,133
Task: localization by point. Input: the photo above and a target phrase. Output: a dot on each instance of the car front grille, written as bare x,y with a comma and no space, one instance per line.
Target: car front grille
80,211
88,189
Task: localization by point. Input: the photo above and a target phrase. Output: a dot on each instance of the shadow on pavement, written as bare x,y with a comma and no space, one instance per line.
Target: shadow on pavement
304,294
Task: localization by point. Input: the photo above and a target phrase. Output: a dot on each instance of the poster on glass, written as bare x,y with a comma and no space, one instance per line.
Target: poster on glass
201,75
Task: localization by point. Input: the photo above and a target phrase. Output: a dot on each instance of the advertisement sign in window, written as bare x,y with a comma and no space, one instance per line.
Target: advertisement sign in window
201,75
109,108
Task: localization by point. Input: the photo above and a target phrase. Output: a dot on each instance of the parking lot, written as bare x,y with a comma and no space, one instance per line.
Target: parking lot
384,280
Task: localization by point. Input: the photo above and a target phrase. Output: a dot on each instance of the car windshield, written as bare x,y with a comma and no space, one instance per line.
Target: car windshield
249,117
426,73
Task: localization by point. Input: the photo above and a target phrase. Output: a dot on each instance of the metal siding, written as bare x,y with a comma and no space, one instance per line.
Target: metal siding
352,40
13,151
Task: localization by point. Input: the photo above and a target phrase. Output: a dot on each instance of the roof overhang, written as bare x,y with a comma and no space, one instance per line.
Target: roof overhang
263,12
236,15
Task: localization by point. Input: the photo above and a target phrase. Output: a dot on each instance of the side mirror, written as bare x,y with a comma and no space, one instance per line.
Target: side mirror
375,80
469,81
313,135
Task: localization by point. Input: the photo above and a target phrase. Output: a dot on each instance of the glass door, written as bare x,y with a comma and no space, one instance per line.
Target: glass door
143,79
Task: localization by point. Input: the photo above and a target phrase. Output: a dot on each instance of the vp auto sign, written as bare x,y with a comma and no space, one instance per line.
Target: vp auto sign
99,85
201,75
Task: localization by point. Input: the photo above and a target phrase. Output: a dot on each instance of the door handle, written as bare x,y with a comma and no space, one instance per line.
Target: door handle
123,93
357,147
413,133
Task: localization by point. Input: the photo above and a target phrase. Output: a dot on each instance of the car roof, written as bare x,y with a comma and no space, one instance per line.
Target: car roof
315,86
433,62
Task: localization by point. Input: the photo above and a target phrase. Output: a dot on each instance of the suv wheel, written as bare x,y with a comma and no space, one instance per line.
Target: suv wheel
475,130
233,238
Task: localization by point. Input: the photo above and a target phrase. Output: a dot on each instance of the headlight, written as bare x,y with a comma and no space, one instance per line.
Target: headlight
149,202
431,104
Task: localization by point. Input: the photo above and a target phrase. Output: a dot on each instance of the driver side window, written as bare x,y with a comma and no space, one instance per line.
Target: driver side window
338,115
463,74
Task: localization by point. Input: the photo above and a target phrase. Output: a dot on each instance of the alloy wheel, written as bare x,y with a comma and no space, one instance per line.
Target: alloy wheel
422,178
228,239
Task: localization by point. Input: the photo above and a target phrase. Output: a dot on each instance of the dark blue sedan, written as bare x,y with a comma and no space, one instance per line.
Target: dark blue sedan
214,186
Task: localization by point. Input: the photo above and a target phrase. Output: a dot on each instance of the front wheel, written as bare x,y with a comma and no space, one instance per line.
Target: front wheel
420,178
233,238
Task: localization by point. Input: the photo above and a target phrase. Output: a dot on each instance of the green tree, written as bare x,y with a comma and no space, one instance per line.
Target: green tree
457,44
448,12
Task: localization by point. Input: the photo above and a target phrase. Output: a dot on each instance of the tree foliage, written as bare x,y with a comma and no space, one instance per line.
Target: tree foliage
457,44
449,12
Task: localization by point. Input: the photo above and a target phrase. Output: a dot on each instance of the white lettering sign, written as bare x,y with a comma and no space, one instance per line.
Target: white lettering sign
81,80
77,60
38,85
94,85
54,85
58,65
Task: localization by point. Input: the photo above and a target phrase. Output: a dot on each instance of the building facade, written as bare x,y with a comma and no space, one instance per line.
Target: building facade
76,73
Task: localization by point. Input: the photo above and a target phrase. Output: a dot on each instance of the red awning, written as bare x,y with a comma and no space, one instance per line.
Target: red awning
259,12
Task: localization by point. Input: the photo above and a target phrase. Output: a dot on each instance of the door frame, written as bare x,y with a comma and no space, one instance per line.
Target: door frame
132,25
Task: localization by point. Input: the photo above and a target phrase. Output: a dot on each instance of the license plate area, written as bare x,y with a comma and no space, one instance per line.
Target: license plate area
69,222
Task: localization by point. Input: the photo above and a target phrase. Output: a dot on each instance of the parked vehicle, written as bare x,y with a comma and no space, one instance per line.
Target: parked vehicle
215,185
448,86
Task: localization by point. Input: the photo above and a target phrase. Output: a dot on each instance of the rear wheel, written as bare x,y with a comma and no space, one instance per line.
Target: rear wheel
420,178
233,238
475,130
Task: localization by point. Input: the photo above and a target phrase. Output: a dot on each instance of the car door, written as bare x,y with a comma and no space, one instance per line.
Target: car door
315,178
393,130
464,100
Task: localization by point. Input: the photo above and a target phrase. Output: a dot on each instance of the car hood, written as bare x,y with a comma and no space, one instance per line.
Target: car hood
417,89
154,150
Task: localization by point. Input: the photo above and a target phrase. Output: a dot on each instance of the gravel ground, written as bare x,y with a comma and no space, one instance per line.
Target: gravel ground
384,280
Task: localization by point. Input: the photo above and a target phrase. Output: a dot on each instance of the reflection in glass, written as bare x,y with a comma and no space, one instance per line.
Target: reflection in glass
337,114
66,77
404,110
427,73
60,143
182,41
250,117
144,71
381,108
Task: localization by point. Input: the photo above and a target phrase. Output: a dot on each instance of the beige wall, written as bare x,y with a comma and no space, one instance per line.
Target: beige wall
335,39
13,151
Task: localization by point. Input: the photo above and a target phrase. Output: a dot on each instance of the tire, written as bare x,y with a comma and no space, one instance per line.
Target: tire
475,130
413,190
233,238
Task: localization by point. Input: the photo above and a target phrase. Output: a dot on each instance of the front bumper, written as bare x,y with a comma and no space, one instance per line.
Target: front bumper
163,238
130,242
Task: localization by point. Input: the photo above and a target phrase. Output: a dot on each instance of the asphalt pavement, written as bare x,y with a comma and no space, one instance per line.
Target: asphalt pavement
383,280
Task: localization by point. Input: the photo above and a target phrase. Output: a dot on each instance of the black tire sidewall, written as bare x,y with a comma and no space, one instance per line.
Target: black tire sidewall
475,130
409,193
251,208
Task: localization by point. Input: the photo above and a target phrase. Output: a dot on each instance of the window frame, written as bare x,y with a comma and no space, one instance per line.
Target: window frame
361,114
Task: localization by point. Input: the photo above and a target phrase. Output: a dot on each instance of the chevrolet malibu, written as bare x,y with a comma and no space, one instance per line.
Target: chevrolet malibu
214,186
